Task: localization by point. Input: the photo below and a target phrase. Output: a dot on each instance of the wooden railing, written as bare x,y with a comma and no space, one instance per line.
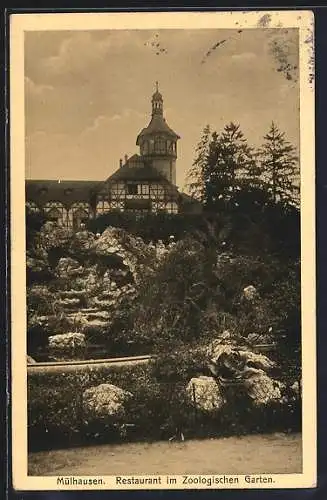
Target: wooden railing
68,366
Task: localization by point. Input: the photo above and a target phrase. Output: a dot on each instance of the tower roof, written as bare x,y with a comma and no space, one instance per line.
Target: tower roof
157,96
157,123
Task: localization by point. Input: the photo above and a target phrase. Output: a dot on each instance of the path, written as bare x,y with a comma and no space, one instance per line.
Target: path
258,454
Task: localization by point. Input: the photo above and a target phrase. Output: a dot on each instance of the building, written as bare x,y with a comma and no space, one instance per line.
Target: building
145,182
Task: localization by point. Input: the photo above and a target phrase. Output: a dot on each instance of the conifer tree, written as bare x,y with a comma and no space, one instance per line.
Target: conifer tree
280,169
230,164
195,181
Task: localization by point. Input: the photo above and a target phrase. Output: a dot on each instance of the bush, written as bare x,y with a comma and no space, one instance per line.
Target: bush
158,409
154,227
55,415
197,292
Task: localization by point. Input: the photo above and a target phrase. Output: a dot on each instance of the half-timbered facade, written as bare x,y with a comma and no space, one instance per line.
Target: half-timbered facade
69,203
137,187
145,182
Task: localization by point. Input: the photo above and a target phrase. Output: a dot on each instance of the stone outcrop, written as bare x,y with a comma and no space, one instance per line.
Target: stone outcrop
205,394
263,389
103,401
67,345
250,293
232,364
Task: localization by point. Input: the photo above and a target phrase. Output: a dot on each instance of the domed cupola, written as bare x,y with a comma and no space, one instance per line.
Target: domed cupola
158,142
157,102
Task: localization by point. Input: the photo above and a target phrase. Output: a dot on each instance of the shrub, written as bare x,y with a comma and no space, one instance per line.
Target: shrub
55,413
159,408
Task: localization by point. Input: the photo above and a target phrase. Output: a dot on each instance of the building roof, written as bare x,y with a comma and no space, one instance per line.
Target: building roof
136,169
157,125
67,192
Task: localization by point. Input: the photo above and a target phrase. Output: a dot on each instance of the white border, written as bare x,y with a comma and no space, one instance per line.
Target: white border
19,23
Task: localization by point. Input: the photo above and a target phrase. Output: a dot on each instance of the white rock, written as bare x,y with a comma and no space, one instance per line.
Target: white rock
250,293
263,389
205,393
65,341
105,400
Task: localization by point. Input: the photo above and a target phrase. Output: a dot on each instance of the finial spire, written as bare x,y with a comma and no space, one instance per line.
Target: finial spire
157,102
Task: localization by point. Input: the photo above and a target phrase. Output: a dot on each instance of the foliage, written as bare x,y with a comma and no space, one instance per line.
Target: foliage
195,178
197,293
92,287
228,174
152,228
159,408
279,164
229,161
135,298
170,285
224,165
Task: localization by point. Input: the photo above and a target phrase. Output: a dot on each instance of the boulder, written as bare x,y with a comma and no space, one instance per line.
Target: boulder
205,394
250,293
103,401
67,345
263,389
131,253
231,361
68,267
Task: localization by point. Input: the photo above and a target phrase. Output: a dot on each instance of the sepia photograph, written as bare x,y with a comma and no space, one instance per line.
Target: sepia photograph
163,250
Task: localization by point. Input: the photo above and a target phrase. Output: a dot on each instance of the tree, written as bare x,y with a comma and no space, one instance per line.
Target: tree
34,220
280,169
230,164
195,181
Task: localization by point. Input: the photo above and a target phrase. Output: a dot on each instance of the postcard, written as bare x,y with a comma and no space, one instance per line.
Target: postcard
162,187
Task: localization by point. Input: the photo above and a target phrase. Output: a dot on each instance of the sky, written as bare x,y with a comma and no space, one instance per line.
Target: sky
88,93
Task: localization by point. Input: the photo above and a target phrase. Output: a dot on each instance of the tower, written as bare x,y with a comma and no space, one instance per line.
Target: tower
158,142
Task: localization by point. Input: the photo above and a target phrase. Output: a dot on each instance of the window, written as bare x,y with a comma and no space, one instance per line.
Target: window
145,189
102,206
56,212
157,191
132,189
78,214
32,207
151,145
80,218
160,145
172,208
117,190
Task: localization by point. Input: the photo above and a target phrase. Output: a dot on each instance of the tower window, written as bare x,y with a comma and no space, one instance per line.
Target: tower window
160,145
